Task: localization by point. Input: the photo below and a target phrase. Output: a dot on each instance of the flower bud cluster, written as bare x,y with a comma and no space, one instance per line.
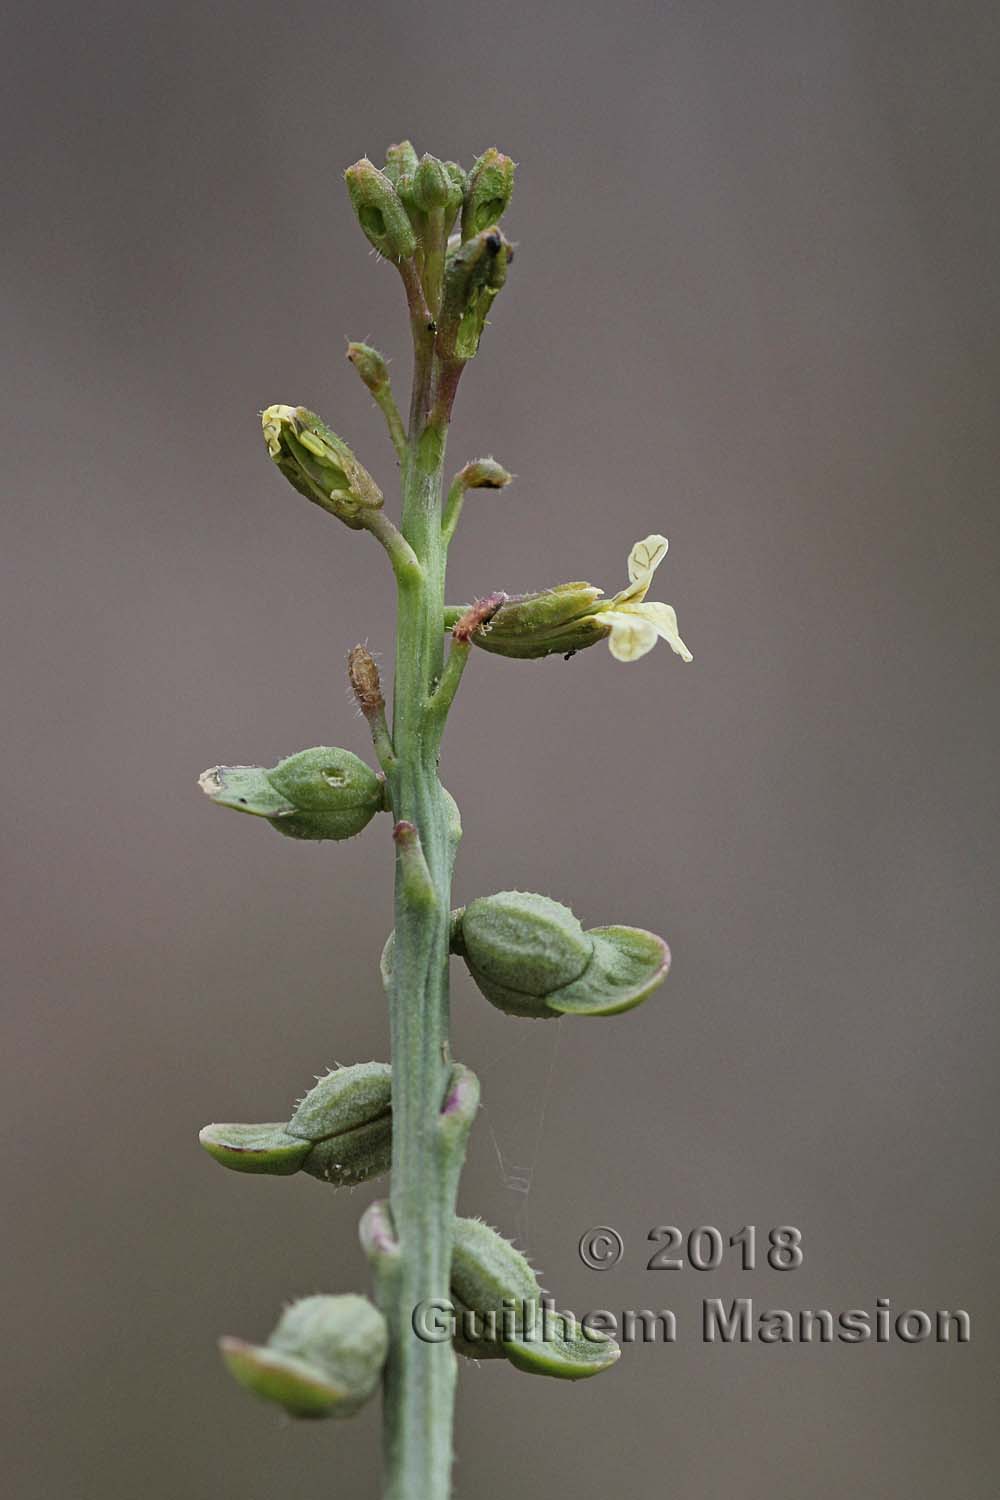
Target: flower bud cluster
393,204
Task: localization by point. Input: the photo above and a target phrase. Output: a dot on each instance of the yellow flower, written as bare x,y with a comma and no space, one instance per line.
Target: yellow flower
635,625
572,616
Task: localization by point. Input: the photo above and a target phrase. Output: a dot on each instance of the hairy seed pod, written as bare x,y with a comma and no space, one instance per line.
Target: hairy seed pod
348,1115
521,947
340,1133
322,793
489,1275
530,957
500,1311
324,1358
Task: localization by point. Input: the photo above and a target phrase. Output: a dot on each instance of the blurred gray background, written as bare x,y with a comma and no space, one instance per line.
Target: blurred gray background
755,307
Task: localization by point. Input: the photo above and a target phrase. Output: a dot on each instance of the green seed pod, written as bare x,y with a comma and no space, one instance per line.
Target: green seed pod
500,1311
323,793
488,192
400,160
266,1149
320,465
348,1115
520,947
557,1345
473,1337
324,1359
557,620
489,1276
343,1099
474,274
340,1133
530,957
379,211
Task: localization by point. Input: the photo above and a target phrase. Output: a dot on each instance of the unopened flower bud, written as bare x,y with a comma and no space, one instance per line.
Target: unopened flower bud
323,793
474,274
399,160
379,211
340,1133
324,1359
458,177
457,181
370,365
432,186
319,464
483,474
530,956
558,620
366,684
488,192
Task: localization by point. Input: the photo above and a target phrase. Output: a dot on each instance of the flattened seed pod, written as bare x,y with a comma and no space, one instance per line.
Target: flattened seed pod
340,1133
530,957
349,1117
324,1358
488,1275
519,947
500,1312
322,793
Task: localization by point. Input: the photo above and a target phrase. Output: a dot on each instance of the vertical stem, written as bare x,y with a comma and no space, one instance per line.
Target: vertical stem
420,1376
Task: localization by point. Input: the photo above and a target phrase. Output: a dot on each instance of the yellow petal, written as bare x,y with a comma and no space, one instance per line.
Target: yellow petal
646,556
664,621
643,561
631,635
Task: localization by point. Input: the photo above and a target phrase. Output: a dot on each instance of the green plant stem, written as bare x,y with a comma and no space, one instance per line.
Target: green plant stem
397,432
444,694
453,507
420,1376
